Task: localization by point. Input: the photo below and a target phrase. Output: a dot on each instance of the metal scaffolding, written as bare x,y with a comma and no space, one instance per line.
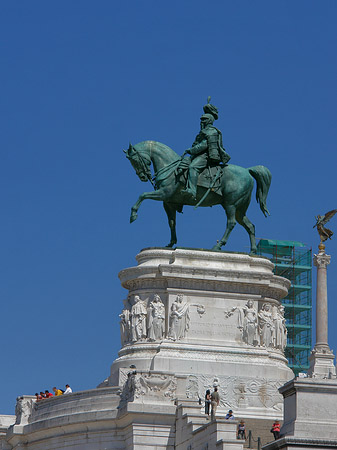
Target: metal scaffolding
293,260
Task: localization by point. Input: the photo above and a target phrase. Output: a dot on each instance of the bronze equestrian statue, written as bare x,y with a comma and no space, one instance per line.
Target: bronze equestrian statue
204,179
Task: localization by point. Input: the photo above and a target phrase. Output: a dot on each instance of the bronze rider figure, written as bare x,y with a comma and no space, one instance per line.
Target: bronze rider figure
207,149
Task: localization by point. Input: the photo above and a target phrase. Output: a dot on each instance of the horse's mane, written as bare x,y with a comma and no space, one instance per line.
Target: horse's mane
146,148
161,147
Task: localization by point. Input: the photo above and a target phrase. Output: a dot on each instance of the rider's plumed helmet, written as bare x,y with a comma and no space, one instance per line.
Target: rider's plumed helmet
211,109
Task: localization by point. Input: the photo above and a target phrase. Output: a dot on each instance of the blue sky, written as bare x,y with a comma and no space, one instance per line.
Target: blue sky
79,80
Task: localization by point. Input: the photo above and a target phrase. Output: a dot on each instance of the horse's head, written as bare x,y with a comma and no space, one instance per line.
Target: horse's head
140,161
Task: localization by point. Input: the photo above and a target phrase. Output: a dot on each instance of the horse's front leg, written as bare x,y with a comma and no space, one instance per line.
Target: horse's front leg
171,215
160,195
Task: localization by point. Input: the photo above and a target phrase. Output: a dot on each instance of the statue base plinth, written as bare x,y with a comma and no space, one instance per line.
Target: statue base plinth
322,362
211,337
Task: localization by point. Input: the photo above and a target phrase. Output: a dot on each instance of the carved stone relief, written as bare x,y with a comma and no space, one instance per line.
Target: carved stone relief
200,308
125,326
138,319
179,319
280,330
192,387
23,410
160,384
247,322
148,385
239,392
129,387
265,328
156,319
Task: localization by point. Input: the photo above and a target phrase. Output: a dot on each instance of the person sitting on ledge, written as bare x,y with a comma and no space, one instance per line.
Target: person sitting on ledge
229,415
242,430
38,397
68,390
57,392
48,394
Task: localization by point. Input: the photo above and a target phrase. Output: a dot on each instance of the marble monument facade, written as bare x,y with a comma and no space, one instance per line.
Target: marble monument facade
191,320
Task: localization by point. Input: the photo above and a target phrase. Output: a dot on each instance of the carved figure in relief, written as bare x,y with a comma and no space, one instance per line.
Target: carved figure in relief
192,387
266,325
138,319
156,319
240,393
130,387
280,334
247,322
125,326
179,319
23,410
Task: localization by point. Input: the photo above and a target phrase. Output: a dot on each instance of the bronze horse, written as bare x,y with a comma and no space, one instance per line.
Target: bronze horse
233,194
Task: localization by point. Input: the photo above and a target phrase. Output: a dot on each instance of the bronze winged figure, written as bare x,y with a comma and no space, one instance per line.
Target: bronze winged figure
324,233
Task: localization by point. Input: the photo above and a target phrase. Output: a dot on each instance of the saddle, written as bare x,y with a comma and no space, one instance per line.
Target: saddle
209,176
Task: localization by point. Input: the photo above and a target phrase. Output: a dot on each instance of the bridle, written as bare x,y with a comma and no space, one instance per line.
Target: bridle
140,160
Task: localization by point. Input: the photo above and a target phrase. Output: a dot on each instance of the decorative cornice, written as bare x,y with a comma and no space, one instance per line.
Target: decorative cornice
204,270
190,351
251,285
172,256
308,384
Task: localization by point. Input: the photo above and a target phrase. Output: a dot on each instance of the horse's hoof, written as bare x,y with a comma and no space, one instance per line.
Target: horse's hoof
216,248
170,245
133,217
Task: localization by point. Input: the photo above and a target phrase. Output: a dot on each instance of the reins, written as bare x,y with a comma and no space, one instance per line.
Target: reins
145,167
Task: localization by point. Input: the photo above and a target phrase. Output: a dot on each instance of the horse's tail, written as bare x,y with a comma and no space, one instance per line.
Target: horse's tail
262,176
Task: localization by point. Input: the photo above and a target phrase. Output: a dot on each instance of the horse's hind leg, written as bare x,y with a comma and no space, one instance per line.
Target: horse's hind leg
250,228
171,215
231,222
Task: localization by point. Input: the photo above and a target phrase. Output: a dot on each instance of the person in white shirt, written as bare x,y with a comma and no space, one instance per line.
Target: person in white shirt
68,390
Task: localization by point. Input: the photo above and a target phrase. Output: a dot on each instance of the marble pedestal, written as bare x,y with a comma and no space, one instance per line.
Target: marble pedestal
310,408
310,420
216,347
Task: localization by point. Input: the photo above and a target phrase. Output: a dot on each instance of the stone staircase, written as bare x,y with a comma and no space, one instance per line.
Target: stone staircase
193,426
259,428
196,431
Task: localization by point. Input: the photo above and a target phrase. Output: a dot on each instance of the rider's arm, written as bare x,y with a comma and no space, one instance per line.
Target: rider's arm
198,148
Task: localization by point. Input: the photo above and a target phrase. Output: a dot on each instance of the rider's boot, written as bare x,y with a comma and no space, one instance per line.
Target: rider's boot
191,185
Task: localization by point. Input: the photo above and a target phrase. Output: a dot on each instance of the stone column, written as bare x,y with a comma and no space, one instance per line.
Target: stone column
321,261
322,358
